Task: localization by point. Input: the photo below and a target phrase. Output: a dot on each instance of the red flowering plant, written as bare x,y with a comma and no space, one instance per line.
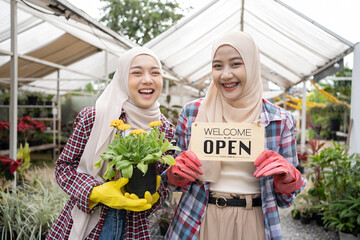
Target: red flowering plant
4,129
27,127
7,167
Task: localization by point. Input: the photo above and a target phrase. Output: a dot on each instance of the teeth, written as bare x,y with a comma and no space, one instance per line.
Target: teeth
229,85
146,91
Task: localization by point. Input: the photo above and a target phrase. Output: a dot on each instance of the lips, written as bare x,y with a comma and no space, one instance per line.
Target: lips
230,85
146,91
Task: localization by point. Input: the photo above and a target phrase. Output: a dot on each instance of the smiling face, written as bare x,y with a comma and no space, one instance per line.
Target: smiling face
228,72
145,81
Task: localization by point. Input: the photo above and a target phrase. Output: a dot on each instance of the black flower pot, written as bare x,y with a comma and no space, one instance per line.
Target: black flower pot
163,229
32,100
295,216
306,219
318,219
300,168
139,183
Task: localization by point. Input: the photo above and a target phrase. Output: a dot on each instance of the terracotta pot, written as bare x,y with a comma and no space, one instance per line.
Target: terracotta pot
140,183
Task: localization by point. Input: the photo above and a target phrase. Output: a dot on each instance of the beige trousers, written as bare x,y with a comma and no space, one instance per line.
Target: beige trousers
233,223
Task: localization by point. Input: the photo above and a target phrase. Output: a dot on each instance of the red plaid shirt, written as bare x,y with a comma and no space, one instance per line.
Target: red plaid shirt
79,185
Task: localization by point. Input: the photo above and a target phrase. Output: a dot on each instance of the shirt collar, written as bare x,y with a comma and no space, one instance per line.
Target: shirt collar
269,113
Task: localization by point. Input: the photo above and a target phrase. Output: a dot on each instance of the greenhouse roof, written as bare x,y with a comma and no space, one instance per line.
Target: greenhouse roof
53,34
292,46
56,35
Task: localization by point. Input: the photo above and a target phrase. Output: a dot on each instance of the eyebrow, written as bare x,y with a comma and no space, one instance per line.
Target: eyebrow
234,58
141,67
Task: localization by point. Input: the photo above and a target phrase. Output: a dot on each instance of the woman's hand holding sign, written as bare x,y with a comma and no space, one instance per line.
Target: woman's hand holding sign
287,178
186,169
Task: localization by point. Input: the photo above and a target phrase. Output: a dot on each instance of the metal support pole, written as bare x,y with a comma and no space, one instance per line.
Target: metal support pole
355,99
167,90
303,119
242,15
58,117
106,67
13,81
181,93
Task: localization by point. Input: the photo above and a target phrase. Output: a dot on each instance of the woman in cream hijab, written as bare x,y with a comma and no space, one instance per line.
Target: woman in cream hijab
97,209
235,200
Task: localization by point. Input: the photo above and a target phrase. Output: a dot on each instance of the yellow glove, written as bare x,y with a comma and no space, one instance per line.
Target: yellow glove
110,195
150,198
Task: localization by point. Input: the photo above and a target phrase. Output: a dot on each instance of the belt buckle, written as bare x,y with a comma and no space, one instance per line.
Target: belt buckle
217,202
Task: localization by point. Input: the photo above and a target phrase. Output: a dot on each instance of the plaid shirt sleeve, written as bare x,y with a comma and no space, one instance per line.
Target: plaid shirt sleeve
77,185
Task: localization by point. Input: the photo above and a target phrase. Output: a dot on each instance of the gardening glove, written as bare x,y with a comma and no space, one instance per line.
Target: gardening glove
186,169
110,194
286,177
150,198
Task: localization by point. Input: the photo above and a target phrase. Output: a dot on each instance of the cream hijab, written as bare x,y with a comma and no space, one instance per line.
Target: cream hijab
108,107
214,108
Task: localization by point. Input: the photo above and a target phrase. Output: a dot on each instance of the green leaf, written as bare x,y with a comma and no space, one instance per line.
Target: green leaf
148,158
110,173
106,156
168,159
142,167
127,171
122,164
98,164
157,155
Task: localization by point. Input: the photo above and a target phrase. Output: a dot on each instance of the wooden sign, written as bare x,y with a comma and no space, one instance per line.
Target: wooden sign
227,141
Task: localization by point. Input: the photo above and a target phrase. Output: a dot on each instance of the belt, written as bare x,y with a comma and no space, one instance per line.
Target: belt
222,202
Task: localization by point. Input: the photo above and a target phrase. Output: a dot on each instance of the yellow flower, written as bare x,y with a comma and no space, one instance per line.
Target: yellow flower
116,123
115,136
123,126
137,132
155,124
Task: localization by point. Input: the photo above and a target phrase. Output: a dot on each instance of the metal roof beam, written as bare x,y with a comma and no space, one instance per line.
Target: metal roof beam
58,66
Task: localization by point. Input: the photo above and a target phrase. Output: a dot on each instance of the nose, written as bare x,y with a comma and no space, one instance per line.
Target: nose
226,74
147,78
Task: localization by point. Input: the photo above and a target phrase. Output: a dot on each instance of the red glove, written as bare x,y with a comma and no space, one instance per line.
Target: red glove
286,177
185,170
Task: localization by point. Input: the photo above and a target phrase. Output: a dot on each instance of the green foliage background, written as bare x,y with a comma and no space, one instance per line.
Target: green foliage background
141,20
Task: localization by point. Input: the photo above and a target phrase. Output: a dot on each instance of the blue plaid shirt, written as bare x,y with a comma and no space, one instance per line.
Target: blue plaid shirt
280,137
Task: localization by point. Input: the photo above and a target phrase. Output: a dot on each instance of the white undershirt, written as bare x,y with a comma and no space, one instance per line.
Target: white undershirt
236,177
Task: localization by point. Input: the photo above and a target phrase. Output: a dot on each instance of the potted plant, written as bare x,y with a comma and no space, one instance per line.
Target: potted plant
7,167
6,97
23,156
49,99
136,155
339,188
4,135
306,215
344,216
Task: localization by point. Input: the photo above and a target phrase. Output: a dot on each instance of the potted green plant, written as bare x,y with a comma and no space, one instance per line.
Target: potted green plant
344,216
5,97
338,187
23,155
135,155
